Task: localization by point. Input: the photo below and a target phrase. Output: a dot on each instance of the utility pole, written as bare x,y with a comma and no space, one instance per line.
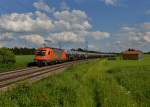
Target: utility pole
47,42
86,45
44,44
25,44
59,45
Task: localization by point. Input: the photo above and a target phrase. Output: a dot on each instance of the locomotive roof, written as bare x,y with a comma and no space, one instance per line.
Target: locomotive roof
50,48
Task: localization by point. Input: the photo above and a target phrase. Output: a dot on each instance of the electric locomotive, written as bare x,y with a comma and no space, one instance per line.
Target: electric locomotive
47,56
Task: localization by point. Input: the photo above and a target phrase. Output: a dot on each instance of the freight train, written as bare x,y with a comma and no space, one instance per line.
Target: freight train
48,55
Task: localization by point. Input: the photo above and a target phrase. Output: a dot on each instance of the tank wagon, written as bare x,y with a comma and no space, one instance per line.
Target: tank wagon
75,54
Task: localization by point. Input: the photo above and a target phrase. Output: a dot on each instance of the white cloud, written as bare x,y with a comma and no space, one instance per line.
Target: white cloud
100,35
62,25
147,37
77,37
107,2
27,22
6,37
117,42
34,38
146,25
134,37
66,37
139,36
70,26
74,15
111,2
72,20
67,25
41,6
41,15
135,33
126,28
93,47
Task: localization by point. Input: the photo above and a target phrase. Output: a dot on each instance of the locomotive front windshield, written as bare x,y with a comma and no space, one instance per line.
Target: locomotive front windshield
40,52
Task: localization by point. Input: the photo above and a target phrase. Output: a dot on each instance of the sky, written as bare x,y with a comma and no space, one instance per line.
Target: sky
102,25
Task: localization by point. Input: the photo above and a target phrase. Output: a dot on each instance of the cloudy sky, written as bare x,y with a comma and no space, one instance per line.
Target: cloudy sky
106,25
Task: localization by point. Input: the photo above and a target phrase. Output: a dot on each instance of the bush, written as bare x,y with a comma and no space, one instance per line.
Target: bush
6,56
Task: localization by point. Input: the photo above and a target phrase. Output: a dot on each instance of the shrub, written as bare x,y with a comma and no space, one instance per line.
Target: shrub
6,56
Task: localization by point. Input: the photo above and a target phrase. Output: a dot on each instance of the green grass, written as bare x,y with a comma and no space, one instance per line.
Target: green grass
21,62
99,83
135,77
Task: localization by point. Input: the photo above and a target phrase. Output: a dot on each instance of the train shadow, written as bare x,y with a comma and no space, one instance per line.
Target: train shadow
32,64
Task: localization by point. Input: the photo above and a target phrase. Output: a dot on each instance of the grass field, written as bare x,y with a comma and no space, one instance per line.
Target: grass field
134,76
100,83
21,62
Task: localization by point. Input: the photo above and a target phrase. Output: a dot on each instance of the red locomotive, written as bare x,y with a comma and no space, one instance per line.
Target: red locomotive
46,56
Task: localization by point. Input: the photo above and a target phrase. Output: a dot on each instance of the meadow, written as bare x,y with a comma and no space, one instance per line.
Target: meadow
98,83
21,62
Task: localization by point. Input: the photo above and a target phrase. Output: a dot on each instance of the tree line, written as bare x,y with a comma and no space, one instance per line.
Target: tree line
22,51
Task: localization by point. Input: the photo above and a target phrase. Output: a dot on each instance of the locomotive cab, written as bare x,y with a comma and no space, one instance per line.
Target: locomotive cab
43,56
40,53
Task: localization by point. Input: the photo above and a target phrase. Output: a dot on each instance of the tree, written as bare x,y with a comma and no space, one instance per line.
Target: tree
6,56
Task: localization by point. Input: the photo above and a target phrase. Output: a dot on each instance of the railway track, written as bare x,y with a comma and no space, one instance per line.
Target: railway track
9,79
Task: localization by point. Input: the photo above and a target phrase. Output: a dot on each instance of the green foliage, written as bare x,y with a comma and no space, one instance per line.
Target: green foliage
23,51
10,61
6,56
